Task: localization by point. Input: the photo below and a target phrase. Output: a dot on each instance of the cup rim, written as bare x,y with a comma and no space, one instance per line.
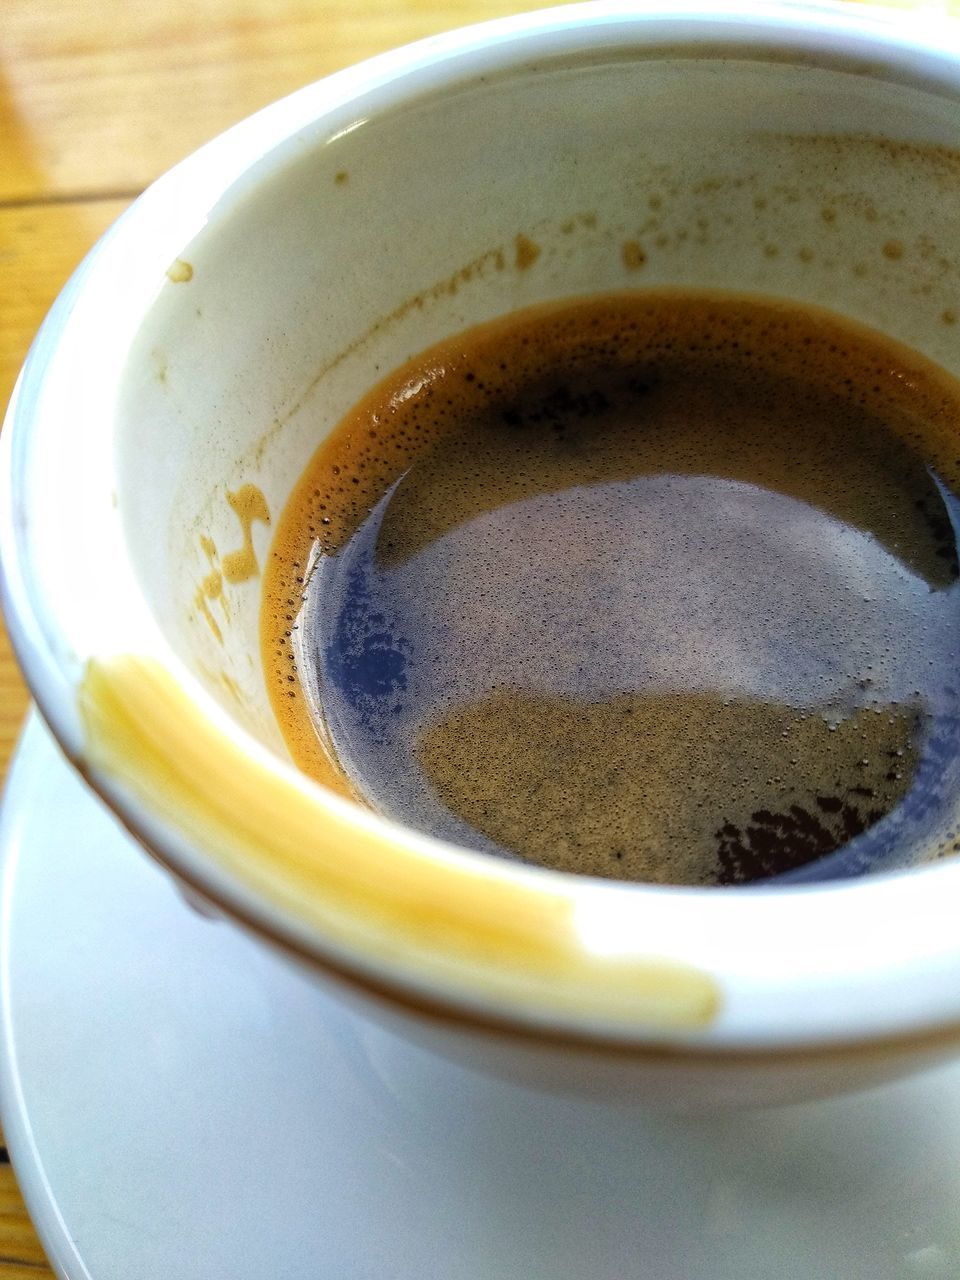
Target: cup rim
425,923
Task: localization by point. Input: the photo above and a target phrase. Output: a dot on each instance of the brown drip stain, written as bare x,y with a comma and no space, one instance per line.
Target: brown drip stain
260,449
250,505
527,251
341,177
634,255
201,605
180,272
476,268
893,249
211,588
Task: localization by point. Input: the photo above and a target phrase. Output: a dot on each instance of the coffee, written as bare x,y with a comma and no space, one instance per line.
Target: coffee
657,586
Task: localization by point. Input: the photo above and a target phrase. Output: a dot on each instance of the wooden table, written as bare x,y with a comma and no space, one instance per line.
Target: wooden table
98,97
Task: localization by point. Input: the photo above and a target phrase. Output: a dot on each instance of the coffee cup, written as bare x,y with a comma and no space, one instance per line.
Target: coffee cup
250,297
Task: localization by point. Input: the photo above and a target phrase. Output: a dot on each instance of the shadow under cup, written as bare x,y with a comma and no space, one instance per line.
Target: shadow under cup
478,191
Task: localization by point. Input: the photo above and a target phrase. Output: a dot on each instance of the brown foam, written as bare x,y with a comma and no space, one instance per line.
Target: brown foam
615,391
614,813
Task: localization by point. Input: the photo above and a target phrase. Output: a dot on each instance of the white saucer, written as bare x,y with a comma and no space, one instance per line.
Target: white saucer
180,1105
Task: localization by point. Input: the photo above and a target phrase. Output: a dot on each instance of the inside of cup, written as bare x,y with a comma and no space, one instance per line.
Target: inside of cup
456,198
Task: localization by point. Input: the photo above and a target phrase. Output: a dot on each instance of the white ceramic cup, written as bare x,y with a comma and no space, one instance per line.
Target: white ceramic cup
249,298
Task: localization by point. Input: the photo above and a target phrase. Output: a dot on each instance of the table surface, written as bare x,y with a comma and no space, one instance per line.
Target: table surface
97,98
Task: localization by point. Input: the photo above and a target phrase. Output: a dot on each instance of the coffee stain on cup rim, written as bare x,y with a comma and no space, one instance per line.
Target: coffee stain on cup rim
405,917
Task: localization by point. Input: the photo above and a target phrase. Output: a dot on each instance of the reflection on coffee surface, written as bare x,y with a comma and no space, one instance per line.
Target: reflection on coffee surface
658,586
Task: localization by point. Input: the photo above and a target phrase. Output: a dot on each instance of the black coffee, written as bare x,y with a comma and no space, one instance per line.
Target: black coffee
654,586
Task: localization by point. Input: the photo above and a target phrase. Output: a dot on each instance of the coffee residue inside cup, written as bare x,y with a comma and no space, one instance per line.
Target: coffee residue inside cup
660,586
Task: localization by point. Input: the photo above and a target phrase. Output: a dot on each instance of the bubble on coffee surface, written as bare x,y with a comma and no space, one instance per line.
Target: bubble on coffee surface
654,586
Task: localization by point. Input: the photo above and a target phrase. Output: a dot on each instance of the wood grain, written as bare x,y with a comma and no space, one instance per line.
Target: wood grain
21,1254
97,98
103,97
39,247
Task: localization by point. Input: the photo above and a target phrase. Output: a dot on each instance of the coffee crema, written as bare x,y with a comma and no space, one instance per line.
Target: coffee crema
659,586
